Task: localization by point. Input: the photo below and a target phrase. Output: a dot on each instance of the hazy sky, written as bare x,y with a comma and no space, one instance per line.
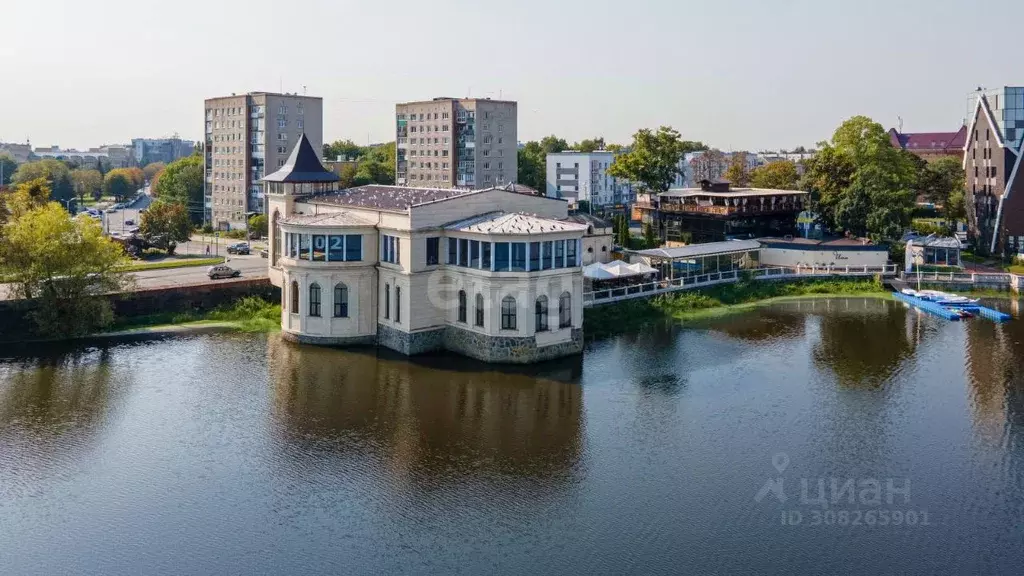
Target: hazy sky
747,74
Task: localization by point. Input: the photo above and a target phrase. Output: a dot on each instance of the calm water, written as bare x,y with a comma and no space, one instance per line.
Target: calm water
240,454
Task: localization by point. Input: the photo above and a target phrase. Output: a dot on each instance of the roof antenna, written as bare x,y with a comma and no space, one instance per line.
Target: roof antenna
303,89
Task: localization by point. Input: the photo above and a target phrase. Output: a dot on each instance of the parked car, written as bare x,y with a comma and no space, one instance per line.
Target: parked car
238,248
129,222
223,271
264,253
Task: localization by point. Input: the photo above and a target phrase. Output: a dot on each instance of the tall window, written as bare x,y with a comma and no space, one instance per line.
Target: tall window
508,313
462,306
340,301
453,251
501,256
390,249
387,301
534,255
541,314
353,247
433,251
518,256
294,308
398,304
314,299
565,310
570,253
479,311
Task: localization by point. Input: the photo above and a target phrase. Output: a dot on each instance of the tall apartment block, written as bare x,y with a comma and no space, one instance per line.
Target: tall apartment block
248,136
453,142
583,176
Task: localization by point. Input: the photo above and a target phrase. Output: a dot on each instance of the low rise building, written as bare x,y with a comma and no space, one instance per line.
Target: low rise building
598,240
930,146
932,251
493,274
20,153
583,177
716,212
823,253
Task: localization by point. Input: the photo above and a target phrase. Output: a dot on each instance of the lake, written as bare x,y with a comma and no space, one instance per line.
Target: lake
817,436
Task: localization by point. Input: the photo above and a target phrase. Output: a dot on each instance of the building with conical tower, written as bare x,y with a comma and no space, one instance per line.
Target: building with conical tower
493,274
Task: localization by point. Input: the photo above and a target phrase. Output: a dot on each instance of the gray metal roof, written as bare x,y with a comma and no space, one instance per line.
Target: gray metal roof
699,250
303,165
396,198
933,241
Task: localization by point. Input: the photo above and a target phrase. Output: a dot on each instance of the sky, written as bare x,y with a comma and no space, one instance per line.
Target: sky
736,74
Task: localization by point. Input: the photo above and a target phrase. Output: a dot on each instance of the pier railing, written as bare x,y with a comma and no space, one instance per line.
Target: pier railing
609,295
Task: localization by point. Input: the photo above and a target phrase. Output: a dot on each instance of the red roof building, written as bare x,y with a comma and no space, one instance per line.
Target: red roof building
931,145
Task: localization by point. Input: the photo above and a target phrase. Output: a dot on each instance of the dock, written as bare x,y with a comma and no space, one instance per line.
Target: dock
948,313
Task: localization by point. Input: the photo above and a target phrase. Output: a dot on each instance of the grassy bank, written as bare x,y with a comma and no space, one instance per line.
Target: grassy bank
184,262
609,319
246,315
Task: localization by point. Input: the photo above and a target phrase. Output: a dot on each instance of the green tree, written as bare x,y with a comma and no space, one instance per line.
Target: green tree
781,175
57,176
181,182
940,179
553,144
711,165
86,181
345,148
652,162
258,225
165,224
590,144
616,148
118,183
152,169
738,174
860,184
377,166
7,168
66,263
347,175
650,236
532,166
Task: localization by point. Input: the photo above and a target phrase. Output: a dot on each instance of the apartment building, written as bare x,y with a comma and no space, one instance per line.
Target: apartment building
453,142
166,150
248,136
992,153
583,176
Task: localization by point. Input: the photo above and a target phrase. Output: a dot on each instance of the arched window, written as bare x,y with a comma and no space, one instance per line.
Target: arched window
294,309
508,313
462,306
340,301
541,314
479,310
565,310
314,299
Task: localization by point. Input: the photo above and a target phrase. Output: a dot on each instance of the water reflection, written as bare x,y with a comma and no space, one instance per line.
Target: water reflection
864,344
431,419
995,354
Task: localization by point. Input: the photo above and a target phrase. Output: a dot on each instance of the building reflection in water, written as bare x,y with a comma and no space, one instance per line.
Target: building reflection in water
429,418
995,377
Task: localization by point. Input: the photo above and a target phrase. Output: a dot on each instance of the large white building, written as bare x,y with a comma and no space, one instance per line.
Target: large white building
583,176
492,274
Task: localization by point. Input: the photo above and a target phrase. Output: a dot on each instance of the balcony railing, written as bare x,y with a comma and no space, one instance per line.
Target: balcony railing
719,210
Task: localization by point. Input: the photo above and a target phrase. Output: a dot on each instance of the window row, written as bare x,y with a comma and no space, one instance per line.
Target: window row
509,312
324,247
340,302
509,256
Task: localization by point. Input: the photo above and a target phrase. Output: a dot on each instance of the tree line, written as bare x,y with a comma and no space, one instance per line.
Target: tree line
367,164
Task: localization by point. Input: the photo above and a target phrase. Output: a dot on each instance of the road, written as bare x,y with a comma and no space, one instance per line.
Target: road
252,266
116,222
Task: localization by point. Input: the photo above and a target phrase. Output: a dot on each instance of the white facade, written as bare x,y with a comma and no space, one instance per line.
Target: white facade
492,274
583,176
813,255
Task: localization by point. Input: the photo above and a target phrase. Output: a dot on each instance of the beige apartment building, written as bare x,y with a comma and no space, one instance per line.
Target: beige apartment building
456,143
248,136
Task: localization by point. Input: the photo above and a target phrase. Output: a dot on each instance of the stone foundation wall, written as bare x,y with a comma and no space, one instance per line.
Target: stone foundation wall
506,349
410,344
330,340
